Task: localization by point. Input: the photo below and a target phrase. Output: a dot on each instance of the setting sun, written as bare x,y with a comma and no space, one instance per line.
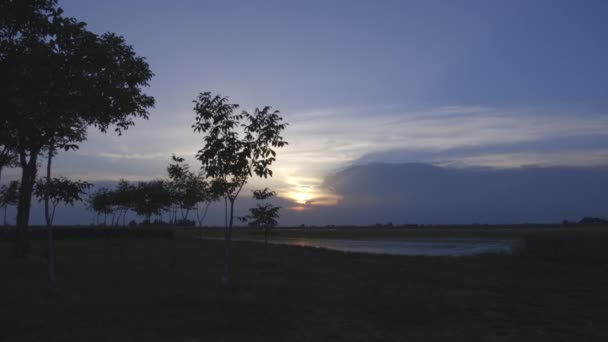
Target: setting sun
301,197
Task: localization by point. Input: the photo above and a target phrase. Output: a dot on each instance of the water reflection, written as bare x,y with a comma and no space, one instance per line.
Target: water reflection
444,247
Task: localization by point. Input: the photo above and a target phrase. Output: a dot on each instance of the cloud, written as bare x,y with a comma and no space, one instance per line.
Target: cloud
341,137
324,140
422,193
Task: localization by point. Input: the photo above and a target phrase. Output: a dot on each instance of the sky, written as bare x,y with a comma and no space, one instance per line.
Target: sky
456,84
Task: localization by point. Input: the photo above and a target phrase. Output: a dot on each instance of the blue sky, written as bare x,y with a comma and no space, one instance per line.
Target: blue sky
498,84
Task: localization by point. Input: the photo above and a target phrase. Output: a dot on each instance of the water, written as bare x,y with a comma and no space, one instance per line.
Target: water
418,247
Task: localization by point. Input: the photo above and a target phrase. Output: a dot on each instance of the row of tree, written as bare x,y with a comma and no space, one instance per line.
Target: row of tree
185,192
59,79
57,191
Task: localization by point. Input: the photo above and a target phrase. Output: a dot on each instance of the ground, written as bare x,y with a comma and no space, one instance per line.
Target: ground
169,290
434,232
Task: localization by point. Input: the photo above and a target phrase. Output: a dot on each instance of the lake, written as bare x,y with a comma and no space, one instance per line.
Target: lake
414,247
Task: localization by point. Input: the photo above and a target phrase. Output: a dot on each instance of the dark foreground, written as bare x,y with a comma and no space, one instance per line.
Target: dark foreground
170,291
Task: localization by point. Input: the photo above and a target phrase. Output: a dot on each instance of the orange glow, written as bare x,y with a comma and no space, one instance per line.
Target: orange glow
298,208
308,192
301,197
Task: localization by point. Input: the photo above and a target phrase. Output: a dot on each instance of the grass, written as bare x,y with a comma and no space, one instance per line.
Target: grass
433,232
158,290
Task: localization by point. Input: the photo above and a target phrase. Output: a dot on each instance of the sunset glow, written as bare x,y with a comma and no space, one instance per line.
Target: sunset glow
302,197
308,192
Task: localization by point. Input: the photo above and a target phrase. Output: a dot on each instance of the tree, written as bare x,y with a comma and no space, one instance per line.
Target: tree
205,195
58,79
236,147
57,190
122,199
8,156
100,202
9,196
190,191
152,198
264,215
182,193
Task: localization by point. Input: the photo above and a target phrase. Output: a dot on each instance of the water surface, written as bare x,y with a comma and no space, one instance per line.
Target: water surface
426,247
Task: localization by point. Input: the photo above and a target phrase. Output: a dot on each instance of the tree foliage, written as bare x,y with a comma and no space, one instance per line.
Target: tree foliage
100,202
189,190
60,190
264,215
8,156
236,147
58,79
9,196
152,198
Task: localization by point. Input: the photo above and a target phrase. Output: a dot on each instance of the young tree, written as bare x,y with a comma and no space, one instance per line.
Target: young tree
152,198
58,79
8,155
237,146
57,190
190,191
100,202
264,215
205,195
122,200
182,193
9,196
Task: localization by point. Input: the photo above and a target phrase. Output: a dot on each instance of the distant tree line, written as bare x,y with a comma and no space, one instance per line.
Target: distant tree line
184,193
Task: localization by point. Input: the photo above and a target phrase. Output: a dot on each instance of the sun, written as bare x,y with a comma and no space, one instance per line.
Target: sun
301,197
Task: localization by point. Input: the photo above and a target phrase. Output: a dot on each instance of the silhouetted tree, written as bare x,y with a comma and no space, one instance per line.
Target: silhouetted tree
152,198
236,147
9,196
58,78
189,191
59,190
183,195
122,199
264,215
205,195
100,202
55,191
8,155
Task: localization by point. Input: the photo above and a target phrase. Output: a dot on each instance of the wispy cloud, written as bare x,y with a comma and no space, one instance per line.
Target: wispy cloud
327,139
342,136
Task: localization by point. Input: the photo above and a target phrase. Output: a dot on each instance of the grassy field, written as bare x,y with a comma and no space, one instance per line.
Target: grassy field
167,290
432,232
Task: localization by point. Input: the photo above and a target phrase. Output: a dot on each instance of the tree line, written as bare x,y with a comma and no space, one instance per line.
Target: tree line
184,195
59,80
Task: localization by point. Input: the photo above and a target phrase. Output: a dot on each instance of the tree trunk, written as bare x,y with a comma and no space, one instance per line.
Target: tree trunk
28,177
227,243
200,220
47,214
49,222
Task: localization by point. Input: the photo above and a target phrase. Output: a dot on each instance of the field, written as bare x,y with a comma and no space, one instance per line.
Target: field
433,232
169,290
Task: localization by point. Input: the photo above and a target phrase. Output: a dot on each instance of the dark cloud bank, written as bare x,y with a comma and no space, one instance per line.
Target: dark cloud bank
421,193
